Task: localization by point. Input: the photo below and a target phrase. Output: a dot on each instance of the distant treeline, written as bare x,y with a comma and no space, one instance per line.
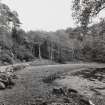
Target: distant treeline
60,46
26,46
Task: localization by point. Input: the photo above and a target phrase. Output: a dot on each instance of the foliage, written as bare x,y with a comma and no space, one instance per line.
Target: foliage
5,40
19,36
95,52
23,54
60,46
84,10
6,58
7,17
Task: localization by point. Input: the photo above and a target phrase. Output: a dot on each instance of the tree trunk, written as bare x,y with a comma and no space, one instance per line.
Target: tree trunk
58,52
72,54
48,45
51,52
40,52
32,49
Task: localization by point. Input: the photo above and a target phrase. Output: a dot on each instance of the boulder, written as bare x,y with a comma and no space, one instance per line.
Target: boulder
58,91
70,90
7,80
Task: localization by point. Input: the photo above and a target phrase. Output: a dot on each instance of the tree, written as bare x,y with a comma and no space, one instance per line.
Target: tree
102,28
85,10
8,17
37,39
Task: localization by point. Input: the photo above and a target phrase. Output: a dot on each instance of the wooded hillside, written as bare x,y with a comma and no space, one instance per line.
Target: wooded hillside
61,46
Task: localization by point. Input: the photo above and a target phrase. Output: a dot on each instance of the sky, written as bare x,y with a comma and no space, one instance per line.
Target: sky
48,15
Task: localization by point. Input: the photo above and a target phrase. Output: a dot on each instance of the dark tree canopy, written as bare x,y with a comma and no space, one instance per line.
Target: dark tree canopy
84,10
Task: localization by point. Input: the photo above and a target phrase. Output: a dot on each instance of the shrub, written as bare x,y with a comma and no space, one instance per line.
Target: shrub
94,52
6,58
22,54
18,67
51,78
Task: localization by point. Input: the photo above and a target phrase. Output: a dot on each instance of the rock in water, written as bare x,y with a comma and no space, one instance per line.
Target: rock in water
2,86
70,90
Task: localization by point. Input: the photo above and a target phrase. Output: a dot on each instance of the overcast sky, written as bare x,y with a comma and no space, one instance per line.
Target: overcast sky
47,15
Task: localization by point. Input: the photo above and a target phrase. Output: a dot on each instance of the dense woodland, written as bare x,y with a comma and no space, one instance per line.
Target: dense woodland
61,46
